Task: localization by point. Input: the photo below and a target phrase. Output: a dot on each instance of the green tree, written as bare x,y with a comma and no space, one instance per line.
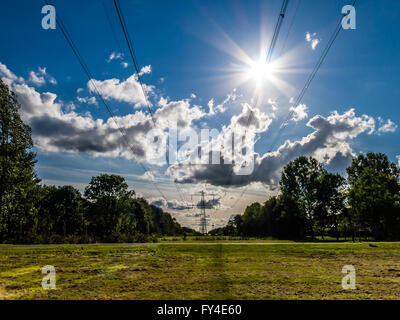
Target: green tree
18,181
374,201
289,221
330,204
106,185
112,209
61,212
300,180
377,161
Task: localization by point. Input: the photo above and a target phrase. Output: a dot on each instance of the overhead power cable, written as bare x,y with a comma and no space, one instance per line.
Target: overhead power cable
310,79
88,74
137,69
270,51
133,56
303,90
293,19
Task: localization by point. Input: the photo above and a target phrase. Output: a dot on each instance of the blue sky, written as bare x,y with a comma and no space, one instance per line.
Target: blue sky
197,52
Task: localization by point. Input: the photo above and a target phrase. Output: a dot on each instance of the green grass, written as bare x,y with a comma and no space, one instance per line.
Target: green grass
220,239
215,271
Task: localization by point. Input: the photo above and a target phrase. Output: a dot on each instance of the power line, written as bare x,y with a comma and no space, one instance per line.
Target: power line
88,74
137,68
283,47
304,89
310,78
268,58
132,53
277,29
270,51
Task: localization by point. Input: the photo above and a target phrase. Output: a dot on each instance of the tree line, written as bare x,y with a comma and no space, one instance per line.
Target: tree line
314,202
34,213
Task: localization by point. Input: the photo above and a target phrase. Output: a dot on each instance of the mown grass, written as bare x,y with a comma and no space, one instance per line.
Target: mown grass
210,271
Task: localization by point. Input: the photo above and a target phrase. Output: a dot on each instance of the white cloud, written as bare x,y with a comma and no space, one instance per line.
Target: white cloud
36,79
57,127
273,103
129,90
115,56
149,176
398,159
299,112
39,78
222,107
172,204
312,38
329,143
251,118
7,75
145,70
125,64
389,126
177,112
87,100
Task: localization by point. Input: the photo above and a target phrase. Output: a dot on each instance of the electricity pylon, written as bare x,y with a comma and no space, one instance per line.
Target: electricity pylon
202,205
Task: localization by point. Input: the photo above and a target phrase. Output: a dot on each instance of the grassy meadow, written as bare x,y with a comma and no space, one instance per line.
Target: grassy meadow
202,271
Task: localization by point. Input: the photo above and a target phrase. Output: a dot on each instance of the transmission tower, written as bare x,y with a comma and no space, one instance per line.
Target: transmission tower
202,205
203,219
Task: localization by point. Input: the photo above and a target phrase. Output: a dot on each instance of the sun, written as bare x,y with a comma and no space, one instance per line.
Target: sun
260,71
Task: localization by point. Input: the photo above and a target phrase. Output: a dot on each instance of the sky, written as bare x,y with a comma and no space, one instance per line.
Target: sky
202,64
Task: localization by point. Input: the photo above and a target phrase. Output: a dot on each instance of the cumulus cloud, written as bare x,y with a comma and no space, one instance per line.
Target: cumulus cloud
240,134
145,70
177,112
251,118
299,112
129,91
312,38
7,76
210,204
222,107
398,159
172,204
36,79
329,142
57,127
389,126
88,100
39,78
149,176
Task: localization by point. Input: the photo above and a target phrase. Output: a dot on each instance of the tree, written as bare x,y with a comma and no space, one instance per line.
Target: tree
61,212
374,200
330,201
300,180
112,209
106,185
290,222
18,181
250,223
377,161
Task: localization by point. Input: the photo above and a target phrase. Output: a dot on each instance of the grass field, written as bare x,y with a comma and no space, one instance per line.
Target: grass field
206,271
